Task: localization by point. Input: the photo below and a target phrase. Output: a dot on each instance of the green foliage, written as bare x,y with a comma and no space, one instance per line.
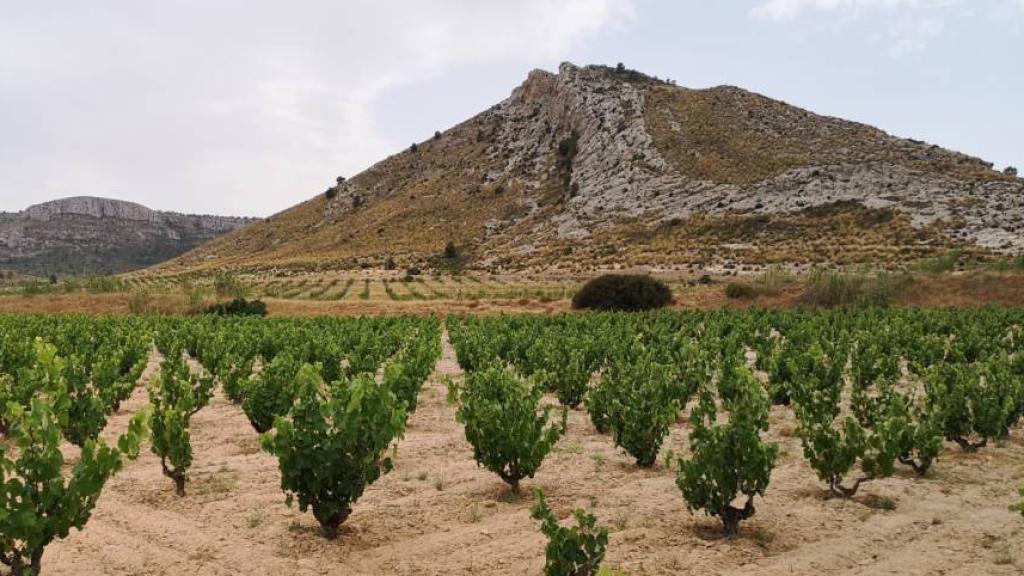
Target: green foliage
104,284
834,288
239,307
194,296
567,370
37,503
945,262
174,397
975,402
833,443
271,392
233,374
728,459
625,292
564,157
644,402
229,285
576,551
333,443
1019,507
509,431
739,291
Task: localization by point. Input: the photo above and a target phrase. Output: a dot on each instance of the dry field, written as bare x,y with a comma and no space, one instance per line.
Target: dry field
437,513
327,294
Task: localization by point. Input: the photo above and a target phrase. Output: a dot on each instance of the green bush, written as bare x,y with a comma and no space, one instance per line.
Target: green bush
332,443
645,402
175,396
509,430
739,291
977,403
40,501
625,292
239,307
1019,507
945,262
271,392
570,551
729,460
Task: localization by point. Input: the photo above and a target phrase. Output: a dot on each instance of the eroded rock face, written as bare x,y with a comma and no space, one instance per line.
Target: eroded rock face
620,172
598,167
87,235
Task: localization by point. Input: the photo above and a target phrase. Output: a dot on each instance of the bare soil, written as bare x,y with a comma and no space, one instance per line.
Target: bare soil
438,513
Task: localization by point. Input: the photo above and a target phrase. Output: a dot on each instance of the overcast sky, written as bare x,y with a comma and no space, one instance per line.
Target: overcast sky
247,107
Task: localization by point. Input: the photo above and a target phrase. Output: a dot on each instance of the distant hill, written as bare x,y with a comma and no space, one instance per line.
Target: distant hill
85,235
599,167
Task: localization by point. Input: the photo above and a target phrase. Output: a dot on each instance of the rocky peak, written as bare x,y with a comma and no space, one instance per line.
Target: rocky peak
89,235
91,206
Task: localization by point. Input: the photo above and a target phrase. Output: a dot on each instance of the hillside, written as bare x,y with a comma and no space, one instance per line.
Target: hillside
597,167
85,235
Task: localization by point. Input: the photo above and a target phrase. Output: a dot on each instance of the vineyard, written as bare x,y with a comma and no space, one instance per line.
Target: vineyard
857,441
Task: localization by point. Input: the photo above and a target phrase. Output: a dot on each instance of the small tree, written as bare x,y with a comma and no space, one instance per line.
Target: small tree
575,551
332,443
509,431
728,459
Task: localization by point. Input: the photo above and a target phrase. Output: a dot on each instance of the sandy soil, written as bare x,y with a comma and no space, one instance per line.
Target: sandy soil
437,513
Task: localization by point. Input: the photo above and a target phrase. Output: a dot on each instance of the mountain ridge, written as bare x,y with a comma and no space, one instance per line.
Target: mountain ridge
599,167
93,235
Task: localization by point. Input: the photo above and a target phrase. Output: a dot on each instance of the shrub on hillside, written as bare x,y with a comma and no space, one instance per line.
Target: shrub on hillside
239,307
626,292
832,288
739,291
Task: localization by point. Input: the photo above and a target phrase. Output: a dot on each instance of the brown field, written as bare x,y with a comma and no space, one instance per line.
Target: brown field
438,513
319,295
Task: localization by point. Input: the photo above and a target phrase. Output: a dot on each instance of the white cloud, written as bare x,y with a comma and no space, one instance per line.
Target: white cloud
239,106
790,9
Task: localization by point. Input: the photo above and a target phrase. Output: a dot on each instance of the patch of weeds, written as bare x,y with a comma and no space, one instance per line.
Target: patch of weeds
254,519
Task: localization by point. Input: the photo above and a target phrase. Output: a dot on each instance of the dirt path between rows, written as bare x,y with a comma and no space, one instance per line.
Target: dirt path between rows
437,513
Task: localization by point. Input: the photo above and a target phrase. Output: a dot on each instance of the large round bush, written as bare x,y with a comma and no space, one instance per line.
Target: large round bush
628,292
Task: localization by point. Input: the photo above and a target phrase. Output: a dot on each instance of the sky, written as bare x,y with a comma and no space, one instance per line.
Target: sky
246,107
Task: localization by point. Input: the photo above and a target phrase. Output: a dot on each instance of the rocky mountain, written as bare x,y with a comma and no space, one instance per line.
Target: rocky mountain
85,235
596,167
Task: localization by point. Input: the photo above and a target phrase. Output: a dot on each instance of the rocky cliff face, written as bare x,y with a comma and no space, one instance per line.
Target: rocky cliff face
86,235
597,167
